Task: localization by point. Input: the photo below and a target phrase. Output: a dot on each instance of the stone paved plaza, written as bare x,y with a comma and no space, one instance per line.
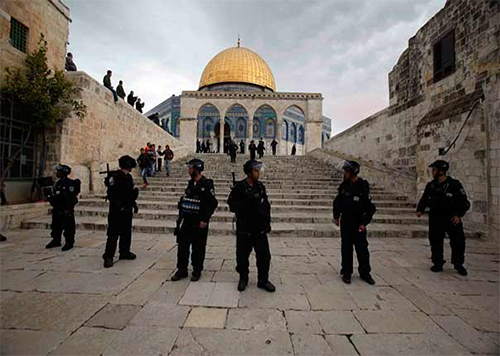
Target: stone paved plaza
67,304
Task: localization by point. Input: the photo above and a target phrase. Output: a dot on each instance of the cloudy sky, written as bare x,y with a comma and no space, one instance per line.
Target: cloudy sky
343,49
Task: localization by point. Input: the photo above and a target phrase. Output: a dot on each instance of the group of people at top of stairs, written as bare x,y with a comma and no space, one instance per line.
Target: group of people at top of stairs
353,210
150,161
232,148
70,66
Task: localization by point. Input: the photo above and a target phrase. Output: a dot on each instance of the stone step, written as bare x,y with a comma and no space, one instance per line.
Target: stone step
172,205
271,194
226,216
222,228
280,201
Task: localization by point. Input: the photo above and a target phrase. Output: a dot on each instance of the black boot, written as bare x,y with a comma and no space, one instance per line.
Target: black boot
268,286
127,256
108,262
178,276
437,268
242,284
67,246
368,279
53,243
346,278
461,270
195,276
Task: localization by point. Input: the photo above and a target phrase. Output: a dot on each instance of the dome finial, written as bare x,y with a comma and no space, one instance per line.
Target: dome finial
239,41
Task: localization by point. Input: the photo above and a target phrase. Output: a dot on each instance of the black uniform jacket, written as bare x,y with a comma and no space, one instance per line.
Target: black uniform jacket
354,202
251,206
445,199
65,194
121,192
199,200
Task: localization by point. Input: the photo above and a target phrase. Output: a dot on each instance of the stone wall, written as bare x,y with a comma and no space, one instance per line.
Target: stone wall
425,115
108,131
50,17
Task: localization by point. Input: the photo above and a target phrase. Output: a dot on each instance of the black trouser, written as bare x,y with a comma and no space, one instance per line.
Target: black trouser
274,151
119,227
252,155
438,227
63,222
233,158
158,166
350,235
261,155
190,234
245,242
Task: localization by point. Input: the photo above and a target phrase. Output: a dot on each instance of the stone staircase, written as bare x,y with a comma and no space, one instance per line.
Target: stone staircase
300,189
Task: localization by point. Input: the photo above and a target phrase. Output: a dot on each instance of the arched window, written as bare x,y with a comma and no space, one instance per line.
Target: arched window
208,115
266,117
301,135
241,128
270,128
256,128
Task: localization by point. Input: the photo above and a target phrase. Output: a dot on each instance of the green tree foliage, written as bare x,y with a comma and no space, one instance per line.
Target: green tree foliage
47,98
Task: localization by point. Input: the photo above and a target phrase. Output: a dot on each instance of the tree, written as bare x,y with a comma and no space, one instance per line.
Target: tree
46,97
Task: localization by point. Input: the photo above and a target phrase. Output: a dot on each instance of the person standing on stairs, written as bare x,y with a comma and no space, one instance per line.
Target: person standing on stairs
261,147
448,203
169,156
274,144
196,208
252,148
248,200
122,198
63,201
233,149
353,210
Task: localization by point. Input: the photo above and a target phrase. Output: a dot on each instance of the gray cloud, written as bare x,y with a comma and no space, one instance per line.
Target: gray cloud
342,49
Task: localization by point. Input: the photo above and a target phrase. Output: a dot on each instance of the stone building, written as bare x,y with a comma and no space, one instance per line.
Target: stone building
238,85
108,131
444,104
21,23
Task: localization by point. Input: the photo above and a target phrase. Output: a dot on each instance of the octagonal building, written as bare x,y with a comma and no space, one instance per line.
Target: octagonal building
238,85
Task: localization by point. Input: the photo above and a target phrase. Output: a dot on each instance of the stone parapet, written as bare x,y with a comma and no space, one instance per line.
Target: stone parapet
108,131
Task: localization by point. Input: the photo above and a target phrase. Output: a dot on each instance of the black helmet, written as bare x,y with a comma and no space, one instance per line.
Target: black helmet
64,169
440,165
252,164
351,166
126,162
196,164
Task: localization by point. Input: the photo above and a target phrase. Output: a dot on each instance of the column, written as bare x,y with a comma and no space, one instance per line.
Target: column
187,134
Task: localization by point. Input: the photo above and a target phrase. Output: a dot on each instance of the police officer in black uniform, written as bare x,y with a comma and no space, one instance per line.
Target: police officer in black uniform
63,201
448,203
353,210
122,198
249,201
195,209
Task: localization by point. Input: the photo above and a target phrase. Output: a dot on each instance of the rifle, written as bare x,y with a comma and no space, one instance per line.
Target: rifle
108,175
178,222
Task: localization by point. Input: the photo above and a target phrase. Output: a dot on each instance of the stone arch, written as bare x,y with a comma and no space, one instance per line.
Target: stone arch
265,119
295,106
208,116
295,113
237,115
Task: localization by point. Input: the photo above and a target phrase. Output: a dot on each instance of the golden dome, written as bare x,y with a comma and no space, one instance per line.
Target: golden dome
238,65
